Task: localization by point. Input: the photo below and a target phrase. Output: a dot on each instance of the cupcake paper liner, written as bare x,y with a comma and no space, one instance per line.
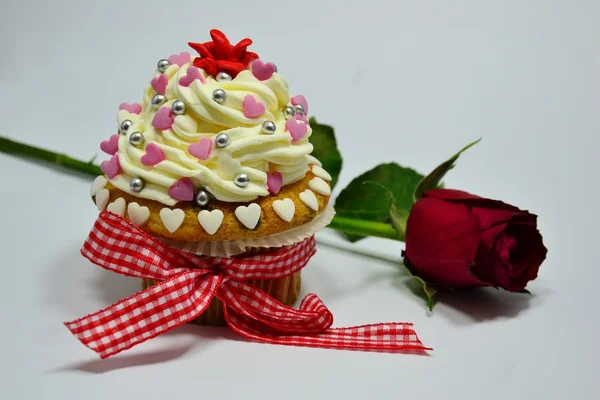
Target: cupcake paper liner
229,248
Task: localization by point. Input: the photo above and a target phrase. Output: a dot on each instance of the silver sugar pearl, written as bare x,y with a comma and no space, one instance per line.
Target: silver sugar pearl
162,65
223,76
242,180
136,184
269,127
202,198
136,138
178,107
219,96
289,112
158,100
299,109
222,140
125,125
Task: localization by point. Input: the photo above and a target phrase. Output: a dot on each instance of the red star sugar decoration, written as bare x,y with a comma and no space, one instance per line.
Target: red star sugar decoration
221,56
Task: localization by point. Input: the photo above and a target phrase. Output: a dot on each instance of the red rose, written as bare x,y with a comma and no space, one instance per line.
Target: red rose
459,240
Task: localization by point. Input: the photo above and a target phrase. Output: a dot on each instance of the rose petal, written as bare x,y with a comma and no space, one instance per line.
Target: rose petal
487,259
441,243
490,212
459,196
518,251
490,217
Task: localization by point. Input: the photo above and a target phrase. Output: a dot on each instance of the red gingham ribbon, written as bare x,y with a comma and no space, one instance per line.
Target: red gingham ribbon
189,283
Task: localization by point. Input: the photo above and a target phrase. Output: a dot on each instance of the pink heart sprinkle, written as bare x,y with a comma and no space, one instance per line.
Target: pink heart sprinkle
163,119
183,190
202,149
274,182
153,155
111,145
182,58
159,84
299,99
262,71
252,108
133,108
297,129
111,168
191,75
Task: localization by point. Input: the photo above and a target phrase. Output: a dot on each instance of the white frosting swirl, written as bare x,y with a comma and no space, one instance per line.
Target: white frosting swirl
250,150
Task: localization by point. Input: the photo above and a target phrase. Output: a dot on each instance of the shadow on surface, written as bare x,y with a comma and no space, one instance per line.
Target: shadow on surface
99,366
196,337
463,307
483,304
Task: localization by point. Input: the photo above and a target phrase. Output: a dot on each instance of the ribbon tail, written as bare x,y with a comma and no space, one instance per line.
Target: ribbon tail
397,336
310,326
146,314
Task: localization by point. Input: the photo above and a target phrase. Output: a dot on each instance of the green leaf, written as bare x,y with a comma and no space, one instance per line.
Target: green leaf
365,202
428,290
398,217
525,291
325,149
434,178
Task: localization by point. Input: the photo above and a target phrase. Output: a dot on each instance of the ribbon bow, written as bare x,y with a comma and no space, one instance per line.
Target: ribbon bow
189,283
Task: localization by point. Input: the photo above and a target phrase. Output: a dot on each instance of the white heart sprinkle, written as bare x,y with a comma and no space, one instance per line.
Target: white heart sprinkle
248,215
138,215
309,198
321,173
117,207
99,183
102,199
227,166
285,209
172,219
210,220
319,186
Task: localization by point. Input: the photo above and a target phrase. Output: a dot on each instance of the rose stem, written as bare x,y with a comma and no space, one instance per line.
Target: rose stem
24,150
341,224
364,228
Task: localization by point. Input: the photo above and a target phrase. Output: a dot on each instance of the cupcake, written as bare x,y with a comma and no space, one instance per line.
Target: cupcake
216,160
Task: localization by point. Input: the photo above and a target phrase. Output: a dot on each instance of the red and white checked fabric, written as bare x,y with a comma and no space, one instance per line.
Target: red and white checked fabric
189,283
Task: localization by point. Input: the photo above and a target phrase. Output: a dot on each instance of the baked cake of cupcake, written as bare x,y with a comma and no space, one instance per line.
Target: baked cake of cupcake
216,160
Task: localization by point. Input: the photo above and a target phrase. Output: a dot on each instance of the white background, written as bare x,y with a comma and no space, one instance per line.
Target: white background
405,81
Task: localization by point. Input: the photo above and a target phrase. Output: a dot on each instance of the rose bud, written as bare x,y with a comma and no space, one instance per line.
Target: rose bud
459,240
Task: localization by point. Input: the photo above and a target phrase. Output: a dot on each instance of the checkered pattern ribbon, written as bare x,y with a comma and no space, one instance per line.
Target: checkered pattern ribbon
189,282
